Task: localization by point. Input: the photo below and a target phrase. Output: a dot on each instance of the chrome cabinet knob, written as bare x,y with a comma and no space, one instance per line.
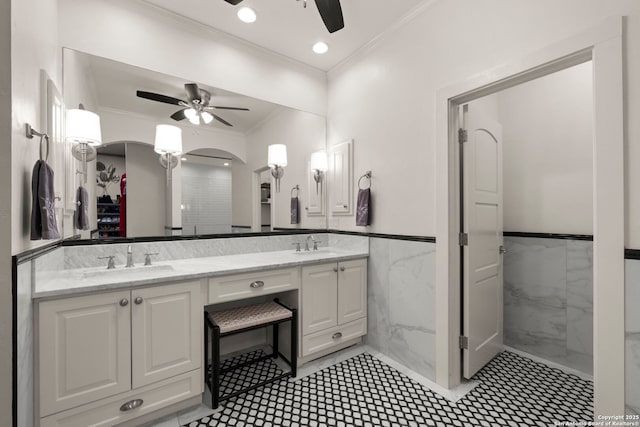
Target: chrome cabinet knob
335,269
124,302
132,404
138,300
342,268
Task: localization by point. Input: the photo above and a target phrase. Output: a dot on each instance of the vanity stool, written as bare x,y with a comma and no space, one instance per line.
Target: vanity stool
233,321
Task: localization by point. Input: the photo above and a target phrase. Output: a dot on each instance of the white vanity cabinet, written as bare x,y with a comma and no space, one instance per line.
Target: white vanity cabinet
334,304
111,357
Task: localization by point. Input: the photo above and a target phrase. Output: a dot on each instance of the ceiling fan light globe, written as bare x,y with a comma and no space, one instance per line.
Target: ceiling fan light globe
190,114
195,120
206,117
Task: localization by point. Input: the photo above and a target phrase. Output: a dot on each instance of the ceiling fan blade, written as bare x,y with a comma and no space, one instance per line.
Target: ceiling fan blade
220,107
179,115
221,120
157,97
193,92
233,2
331,14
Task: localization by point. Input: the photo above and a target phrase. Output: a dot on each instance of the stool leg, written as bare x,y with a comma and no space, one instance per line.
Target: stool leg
276,332
294,343
215,374
207,379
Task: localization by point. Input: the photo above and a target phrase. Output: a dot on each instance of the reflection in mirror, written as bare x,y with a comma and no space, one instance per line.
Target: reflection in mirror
220,184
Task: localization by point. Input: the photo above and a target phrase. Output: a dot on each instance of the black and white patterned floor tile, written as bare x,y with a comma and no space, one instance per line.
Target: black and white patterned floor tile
363,391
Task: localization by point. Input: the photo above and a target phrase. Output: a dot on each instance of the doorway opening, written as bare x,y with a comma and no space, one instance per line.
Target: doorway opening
526,189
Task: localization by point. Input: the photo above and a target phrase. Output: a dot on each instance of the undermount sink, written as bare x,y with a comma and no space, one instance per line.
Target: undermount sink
141,269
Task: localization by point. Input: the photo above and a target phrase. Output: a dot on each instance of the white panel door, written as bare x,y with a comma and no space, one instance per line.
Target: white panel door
165,331
482,219
319,297
85,350
341,178
352,290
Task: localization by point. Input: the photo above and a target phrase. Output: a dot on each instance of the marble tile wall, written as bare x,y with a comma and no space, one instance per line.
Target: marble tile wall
632,336
401,302
87,256
548,299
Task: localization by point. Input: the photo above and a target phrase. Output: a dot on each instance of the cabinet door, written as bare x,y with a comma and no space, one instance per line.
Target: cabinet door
352,290
319,297
341,178
85,350
165,331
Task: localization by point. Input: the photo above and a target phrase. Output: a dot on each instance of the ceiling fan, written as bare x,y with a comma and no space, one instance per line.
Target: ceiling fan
196,108
330,11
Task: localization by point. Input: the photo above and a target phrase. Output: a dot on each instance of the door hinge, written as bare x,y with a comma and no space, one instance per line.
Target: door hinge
462,135
463,239
463,342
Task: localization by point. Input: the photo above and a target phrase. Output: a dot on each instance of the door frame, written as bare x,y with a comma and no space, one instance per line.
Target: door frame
603,45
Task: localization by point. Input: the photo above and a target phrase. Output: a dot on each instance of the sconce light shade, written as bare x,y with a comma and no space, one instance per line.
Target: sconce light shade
168,140
83,127
277,156
319,161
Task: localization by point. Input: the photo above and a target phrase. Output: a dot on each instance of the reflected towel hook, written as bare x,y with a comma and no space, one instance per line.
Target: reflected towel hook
366,175
30,132
295,188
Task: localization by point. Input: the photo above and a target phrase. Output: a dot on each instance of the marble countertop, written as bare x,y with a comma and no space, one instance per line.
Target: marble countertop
82,280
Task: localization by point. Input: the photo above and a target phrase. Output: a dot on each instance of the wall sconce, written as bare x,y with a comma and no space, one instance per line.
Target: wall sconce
277,160
319,167
169,145
83,131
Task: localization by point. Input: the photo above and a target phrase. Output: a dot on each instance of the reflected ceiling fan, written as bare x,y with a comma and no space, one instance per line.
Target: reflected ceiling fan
196,108
330,11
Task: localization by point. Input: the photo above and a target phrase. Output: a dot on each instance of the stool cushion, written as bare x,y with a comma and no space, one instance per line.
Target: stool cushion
247,316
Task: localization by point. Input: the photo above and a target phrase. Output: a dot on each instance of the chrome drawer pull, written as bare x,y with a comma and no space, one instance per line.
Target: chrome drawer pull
257,284
336,335
335,269
132,404
124,302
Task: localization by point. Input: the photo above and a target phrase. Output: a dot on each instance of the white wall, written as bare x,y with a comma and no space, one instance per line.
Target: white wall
547,152
145,192
385,97
6,309
138,34
302,133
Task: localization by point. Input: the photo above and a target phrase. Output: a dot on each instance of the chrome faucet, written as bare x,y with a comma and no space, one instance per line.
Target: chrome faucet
129,257
306,242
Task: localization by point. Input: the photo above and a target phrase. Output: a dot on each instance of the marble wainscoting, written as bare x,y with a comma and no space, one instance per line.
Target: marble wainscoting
401,302
548,299
632,336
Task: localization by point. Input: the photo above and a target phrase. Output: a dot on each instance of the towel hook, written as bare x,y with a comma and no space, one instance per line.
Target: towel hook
366,175
295,188
30,132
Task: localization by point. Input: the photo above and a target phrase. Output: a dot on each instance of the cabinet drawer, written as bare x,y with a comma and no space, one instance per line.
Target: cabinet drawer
107,412
248,285
333,336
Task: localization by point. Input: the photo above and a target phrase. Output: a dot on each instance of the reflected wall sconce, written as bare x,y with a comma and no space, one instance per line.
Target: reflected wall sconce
83,131
168,144
319,167
277,160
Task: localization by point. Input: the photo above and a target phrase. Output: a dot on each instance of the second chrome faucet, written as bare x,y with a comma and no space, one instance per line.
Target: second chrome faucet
129,257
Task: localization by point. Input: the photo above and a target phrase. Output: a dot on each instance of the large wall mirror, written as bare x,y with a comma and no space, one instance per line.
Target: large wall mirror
221,183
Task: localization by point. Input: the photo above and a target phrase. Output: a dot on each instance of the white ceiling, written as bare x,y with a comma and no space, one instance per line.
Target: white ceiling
116,84
286,27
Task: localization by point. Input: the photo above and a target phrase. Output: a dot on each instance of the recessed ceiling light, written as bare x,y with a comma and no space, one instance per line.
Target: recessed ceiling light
246,14
184,159
226,163
320,48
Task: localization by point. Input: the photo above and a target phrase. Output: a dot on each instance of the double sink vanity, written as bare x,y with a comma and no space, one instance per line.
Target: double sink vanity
123,345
